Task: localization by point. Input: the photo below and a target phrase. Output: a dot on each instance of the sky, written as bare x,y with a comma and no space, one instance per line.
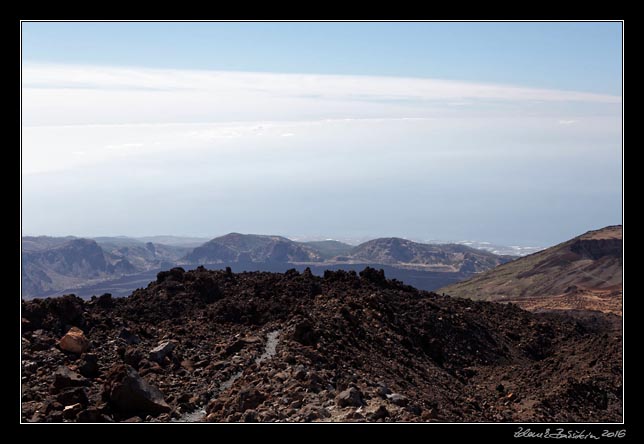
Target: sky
502,132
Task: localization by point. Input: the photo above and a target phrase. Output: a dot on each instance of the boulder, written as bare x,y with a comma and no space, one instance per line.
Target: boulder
64,377
383,390
70,411
305,334
89,366
73,395
350,397
105,301
129,394
133,357
129,337
67,310
175,274
380,413
162,350
74,341
398,399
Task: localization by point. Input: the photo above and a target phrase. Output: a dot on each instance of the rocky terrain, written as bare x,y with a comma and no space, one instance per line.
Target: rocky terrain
584,273
220,346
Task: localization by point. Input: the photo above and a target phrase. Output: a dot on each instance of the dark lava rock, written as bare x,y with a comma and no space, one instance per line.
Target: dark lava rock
92,414
133,356
383,390
235,347
250,399
302,343
89,367
105,301
380,413
207,288
74,395
398,399
162,350
67,310
130,394
175,274
374,276
304,333
64,377
129,337
351,397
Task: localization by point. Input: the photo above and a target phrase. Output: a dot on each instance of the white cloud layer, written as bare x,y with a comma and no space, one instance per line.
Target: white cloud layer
104,149
61,94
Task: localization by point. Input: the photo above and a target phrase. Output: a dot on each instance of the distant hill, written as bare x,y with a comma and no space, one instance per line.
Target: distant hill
328,249
118,265
236,247
143,256
434,257
50,264
582,273
39,243
174,241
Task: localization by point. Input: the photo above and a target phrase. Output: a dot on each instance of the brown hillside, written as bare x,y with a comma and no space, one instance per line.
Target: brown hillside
583,273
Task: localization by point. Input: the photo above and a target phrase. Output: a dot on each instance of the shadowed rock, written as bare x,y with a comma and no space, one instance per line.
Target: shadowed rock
130,394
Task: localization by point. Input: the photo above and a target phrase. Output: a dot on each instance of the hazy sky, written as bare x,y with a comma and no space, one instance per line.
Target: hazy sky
501,132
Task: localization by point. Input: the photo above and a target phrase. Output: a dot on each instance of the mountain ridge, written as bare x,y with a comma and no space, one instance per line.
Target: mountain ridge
584,272
448,257
254,248
384,251
428,266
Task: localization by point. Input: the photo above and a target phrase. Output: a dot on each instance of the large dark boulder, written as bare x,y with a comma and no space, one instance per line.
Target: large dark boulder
350,397
64,377
175,274
129,394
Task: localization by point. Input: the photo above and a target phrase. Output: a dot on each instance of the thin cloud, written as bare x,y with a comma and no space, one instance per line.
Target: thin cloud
109,113
45,76
75,94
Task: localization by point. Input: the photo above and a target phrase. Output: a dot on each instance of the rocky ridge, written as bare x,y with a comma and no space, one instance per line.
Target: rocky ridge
584,273
220,346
